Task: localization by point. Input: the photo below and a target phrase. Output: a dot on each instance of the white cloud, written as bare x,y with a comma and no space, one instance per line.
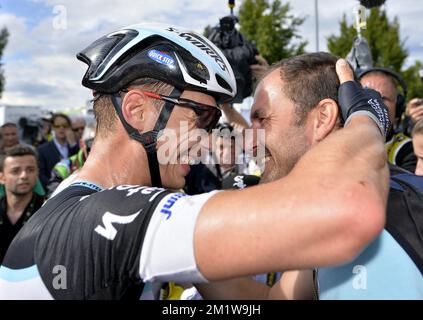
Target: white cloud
51,75
47,81
17,30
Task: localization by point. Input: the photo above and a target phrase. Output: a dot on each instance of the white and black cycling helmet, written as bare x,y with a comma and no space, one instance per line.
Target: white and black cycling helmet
181,58
173,55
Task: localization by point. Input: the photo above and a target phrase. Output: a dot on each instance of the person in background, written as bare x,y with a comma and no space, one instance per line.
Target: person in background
417,135
46,130
414,112
78,126
18,174
222,167
9,133
398,145
63,171
59,148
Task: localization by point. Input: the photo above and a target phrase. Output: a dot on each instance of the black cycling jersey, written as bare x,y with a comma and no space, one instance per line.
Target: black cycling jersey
95,238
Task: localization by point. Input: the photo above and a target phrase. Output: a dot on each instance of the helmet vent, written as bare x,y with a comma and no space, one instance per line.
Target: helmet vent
223,83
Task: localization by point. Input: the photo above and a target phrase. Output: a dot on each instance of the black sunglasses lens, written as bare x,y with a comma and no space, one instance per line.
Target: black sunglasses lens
207,116
207,119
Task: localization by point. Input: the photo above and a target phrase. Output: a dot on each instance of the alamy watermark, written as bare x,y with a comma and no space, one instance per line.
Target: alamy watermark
360,278
60,19
60,278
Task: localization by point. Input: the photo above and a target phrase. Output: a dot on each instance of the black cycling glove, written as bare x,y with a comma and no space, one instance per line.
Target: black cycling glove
355,100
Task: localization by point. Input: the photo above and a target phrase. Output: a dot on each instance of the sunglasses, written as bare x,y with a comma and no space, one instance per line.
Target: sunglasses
207,115
63,126
78,129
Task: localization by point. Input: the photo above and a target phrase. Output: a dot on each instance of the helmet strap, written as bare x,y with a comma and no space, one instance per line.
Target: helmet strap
148,139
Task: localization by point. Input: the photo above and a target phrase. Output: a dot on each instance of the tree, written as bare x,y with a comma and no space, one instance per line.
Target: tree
385,44
272,28
4,35
413,80
207,31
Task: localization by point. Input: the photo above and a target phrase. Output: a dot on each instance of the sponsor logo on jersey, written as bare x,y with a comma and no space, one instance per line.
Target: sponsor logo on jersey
161,57
108,230
239,182
140,190
199,43
166,210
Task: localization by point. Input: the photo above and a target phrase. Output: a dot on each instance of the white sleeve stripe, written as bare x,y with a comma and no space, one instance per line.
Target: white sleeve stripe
167,253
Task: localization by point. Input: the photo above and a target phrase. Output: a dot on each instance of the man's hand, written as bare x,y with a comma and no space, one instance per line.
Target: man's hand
259,70
415,109
354,100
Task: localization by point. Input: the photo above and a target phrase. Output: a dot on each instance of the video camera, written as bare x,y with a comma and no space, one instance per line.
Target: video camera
239,52
30,130
372,3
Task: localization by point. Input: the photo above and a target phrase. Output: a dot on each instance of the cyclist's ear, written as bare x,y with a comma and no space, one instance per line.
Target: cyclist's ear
139,111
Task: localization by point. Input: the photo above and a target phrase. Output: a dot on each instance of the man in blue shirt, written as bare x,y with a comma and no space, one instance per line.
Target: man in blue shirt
304,114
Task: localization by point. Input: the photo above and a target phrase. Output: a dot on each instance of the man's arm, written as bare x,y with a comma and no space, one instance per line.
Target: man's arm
244,288
323,213
293,285
233,116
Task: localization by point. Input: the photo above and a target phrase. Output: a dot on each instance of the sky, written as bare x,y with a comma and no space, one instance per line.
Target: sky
40,64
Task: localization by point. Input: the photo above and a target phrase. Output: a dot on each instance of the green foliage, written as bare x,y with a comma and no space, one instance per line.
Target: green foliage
4,36
412,78
385,44
273,29
383,37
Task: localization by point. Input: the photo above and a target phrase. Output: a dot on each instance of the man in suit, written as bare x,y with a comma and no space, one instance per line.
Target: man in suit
56,150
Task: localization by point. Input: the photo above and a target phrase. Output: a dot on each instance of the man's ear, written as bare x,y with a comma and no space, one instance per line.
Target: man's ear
138,111
325,120
2,178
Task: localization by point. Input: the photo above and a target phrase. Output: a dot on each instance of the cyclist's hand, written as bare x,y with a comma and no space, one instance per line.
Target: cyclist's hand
259,70
355,100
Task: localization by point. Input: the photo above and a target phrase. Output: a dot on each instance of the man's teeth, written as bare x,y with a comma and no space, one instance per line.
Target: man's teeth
266,158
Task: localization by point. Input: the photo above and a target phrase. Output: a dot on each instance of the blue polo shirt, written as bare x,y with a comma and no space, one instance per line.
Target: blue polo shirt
382,271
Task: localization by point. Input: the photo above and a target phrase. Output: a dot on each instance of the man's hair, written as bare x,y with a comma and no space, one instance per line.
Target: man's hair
9,125
18,150
308,79
105,113
418,128
60,115
76,118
